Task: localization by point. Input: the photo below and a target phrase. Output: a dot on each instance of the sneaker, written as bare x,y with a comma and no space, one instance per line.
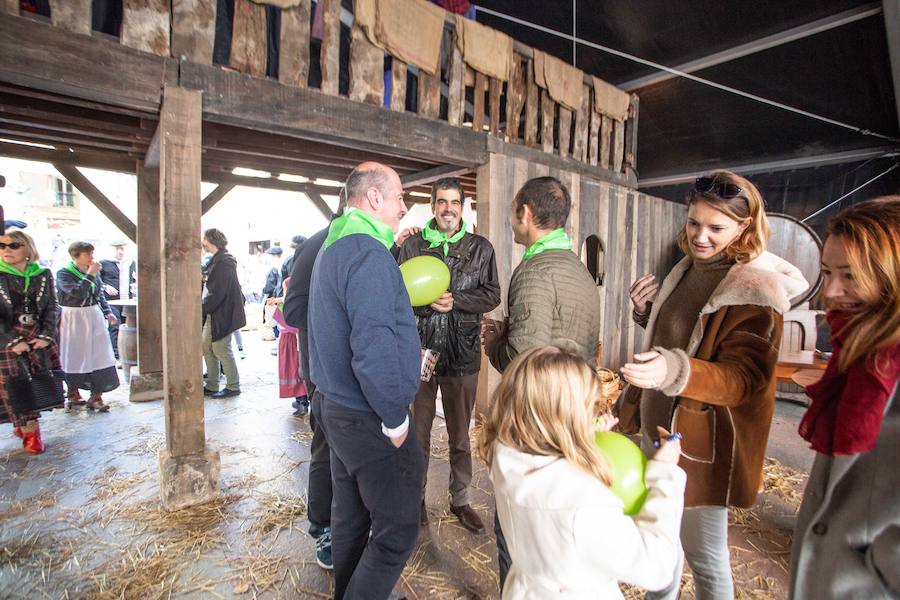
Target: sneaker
301,411
323,550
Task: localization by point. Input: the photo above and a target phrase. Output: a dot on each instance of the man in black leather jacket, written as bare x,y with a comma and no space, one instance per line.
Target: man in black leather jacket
452,326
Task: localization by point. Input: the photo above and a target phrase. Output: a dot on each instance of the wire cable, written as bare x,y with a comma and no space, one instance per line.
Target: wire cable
851,192
724,88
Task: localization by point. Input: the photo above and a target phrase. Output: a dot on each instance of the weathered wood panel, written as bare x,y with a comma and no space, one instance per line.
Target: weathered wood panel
531,106
293,59
194,30
593,150
248,38
149,309
398,85
618,145
631,134
429,95
179,124
456,95
565,130
366,69
582,126
10,7
478,110
548,116
606,132
330,55
145,25
495,89
71,15
515,99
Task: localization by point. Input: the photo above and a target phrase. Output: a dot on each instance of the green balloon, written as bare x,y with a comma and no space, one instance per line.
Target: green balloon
627,465
426,279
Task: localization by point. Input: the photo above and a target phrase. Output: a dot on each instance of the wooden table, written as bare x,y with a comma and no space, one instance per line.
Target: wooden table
798,362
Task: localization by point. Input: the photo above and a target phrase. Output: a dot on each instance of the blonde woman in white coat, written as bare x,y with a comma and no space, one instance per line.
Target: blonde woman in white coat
567,533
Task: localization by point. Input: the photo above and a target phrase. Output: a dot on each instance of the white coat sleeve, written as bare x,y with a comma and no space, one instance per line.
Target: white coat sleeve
640,550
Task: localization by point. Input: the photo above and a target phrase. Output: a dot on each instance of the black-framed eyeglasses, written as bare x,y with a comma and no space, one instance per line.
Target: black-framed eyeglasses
11,245
725,191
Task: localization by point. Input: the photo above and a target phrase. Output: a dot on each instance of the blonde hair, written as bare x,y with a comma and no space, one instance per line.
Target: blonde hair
31,251
749,204
871,234
544,405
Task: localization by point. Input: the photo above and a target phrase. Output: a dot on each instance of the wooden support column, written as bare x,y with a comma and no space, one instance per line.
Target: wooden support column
248,38
480,89
329,56
320,203
456,96
495,90
515,100
293,62
189,473
429,95
582,118
148,383
631,137
531,106
366,69
565,129
548,116
98,199
398,85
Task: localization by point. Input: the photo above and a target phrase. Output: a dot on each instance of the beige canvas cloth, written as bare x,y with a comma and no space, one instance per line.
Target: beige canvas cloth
610,100
484,49
409,30
560,79
281,3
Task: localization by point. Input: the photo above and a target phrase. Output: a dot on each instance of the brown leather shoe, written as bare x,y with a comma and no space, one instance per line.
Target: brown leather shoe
468,518
423,517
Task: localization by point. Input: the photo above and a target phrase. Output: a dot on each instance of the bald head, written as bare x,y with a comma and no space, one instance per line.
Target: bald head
376,189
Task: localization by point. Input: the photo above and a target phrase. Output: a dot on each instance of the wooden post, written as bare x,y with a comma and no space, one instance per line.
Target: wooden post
565,130
213,197
548,114
248,38
618,150
456,96
594,138
194,30
515,100
429,95
98,199
496,88
631,135
531,106
10,7
582,118
293,61
480,88
366,69
71,15
398,85
189,473
145,25
606,131
329,56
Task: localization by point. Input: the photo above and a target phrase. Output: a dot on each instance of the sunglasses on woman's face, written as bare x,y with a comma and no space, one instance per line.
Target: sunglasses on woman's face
725,191
11,245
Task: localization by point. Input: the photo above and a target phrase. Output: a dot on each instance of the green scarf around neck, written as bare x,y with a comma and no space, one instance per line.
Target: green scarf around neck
437,238
71,268
555,240
32,269
354,221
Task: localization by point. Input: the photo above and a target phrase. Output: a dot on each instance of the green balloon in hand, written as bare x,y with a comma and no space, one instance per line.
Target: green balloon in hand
627,465
426,279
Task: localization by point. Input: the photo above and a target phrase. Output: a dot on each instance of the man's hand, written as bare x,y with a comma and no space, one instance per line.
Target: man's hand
398,441
406,234
491,331
94,268
110,290
112,319
444,304
38,343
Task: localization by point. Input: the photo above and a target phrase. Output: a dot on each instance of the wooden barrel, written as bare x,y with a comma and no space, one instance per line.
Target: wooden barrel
796,243
127,349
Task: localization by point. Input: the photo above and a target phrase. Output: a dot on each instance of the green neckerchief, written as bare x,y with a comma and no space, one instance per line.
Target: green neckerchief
31,270
358,221
71,268
437,238
555,240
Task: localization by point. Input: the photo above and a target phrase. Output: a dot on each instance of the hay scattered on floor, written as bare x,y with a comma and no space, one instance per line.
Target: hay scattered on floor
149,446
109,483
257,572
35,551
278,512
420,578
784,482
149,573
29,505
302,437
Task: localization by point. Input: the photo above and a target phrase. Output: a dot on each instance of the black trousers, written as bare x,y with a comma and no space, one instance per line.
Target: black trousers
114,330
377,489
319,493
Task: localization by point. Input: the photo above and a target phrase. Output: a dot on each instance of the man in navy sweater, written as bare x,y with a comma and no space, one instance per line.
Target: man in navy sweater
365,359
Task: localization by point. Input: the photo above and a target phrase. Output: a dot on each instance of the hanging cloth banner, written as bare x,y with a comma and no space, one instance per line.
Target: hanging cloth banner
410,30
486,50
562,81
610,100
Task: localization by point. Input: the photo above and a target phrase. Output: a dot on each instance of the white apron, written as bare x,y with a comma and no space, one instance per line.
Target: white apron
84,345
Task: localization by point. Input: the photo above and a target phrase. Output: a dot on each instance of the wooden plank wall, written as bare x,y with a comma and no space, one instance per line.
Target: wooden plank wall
637,231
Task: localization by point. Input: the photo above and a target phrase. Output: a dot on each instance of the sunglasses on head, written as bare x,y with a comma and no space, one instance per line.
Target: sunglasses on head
725,191
11,245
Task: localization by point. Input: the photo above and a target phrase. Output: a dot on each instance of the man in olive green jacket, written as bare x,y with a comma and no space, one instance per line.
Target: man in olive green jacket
552,301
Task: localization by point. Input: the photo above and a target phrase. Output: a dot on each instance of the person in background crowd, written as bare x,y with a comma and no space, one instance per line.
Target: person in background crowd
288,263
291,382
847,536
28,320
566,528
552,298
86,353
365,361
709,365
451,326
272,287
117,275
223,314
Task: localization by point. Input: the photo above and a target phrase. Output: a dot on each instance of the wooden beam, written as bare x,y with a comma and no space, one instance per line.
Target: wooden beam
151,159
91,160
269,183
213,197
431,175
265,105
149,335
631,132
180,226
320,203
98,199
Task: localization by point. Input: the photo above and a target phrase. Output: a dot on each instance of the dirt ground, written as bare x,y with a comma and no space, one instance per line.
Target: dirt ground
82,520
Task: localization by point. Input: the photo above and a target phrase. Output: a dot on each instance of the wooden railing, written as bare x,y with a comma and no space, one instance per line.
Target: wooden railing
530,116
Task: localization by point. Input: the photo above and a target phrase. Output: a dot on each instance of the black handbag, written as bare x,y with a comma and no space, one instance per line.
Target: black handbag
35,389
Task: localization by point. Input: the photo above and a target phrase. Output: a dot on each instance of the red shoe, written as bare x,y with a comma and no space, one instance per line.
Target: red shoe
17,431
32,442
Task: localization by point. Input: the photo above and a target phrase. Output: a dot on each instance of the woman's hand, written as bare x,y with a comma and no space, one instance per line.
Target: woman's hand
641,292
669,450
649,373
271,301
604,422
111,319
37,343
20,348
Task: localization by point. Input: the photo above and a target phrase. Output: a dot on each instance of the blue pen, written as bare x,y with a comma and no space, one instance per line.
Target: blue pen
669,438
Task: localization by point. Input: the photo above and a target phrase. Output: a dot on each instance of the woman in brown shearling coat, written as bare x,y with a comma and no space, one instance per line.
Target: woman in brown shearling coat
709,373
